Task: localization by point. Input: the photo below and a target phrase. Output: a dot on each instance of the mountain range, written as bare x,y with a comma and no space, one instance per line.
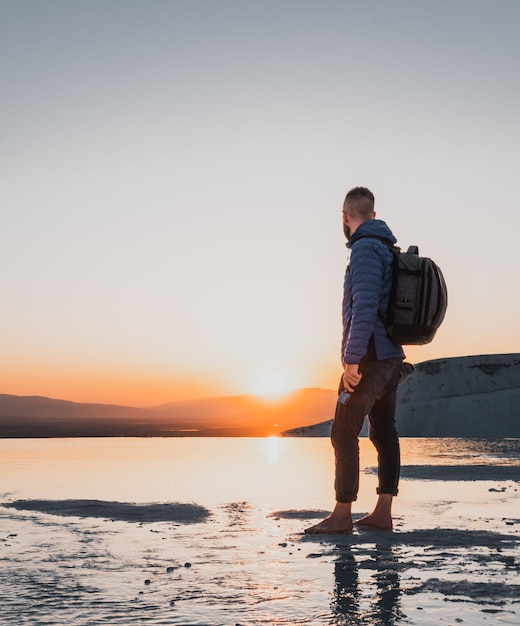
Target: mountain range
244,415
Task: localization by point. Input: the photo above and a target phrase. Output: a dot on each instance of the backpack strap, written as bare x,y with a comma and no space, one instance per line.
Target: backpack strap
396,250
391,246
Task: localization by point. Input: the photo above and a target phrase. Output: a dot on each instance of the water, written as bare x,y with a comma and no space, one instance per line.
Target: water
210,531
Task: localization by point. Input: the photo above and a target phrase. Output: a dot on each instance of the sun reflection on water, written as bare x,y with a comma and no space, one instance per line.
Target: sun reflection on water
273,445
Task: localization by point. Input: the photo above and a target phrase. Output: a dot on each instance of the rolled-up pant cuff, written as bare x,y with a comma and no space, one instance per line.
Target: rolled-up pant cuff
392,492
345,499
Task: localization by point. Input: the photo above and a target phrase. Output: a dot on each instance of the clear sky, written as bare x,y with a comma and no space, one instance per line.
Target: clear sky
172,176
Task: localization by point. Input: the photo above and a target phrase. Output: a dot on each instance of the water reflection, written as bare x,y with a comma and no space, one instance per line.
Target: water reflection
349,604
273,445
345,601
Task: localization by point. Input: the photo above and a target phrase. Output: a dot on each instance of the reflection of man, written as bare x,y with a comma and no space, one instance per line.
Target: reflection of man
372,368
347,595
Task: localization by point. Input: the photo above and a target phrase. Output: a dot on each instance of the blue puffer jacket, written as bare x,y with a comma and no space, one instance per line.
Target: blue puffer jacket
368,280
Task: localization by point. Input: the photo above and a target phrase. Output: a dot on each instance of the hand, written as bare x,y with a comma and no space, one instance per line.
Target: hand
351,376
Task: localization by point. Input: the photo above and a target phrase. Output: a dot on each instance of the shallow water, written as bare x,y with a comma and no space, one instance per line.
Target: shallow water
210,531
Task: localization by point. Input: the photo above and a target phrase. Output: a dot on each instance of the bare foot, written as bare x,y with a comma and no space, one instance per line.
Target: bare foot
382,522
339,521
330,525
381,516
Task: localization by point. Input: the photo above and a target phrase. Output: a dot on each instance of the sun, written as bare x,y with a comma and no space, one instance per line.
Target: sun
272,385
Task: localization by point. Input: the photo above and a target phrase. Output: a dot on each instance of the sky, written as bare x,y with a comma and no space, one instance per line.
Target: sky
173,172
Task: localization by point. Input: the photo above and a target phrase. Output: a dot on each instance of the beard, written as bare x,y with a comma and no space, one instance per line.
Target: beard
346,231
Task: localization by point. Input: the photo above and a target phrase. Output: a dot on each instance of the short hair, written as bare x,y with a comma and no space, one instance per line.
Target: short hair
361,203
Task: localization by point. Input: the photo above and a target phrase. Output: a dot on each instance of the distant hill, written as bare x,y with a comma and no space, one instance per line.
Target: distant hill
300,407
42,407
36,416
473,396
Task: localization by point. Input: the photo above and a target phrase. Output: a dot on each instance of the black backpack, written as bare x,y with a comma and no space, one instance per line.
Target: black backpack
418,298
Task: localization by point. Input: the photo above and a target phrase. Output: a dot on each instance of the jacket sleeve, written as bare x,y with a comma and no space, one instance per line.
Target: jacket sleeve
367,268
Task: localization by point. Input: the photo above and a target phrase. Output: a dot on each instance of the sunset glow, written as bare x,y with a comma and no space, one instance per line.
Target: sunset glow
172,194
272,385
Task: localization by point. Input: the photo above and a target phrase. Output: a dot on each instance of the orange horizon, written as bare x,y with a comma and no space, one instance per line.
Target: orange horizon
148,389
139,398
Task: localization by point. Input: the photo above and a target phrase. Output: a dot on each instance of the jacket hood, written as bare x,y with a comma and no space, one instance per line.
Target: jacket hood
372,228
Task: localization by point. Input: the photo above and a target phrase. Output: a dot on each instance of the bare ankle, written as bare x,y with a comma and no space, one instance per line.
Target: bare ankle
344,509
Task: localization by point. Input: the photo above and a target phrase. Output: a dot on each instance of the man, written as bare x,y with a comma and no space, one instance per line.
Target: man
372,369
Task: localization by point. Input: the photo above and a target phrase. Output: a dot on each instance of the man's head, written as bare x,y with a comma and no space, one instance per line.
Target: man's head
357,208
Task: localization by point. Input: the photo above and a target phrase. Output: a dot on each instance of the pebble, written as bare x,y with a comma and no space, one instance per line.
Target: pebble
187,564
